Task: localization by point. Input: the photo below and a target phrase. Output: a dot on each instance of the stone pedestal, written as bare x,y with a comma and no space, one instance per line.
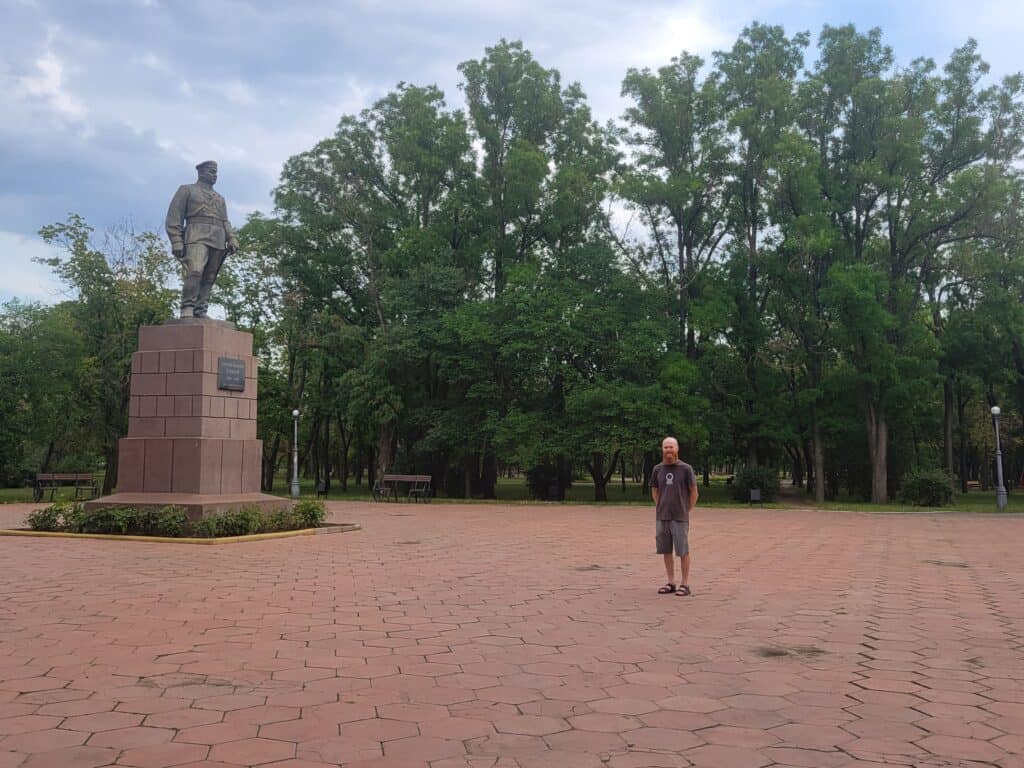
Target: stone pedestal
191,441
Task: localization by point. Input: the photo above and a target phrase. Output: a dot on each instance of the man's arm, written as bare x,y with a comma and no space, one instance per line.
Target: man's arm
175,223
654,495
693,490
232,239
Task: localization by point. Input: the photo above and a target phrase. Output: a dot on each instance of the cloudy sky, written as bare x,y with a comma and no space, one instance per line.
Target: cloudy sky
107,105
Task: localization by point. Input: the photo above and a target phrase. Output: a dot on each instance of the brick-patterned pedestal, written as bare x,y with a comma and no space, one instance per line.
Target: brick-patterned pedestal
189,442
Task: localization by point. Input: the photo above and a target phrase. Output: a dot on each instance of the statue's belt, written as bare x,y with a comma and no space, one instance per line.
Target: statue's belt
205,220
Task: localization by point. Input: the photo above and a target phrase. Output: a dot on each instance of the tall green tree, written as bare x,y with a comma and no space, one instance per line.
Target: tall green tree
677,178
116,285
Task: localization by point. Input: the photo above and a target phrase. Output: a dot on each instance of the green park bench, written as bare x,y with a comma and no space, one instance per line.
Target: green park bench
82,482
417,487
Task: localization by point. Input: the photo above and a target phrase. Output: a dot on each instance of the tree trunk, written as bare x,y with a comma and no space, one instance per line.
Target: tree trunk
371,468
489,476
961,405
648,468
878,449
601,478
344,440
947,423
270,464
110,453
326,454
798,467
385,438
596,469
48,458
819,458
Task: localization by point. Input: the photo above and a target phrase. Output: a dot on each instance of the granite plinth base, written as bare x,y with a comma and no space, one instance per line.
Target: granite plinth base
197,505
191,425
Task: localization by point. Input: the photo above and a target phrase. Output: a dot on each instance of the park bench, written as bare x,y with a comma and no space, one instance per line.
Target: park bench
50,481
417,487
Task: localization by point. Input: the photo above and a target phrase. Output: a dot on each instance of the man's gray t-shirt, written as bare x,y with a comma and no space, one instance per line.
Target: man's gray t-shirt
673,482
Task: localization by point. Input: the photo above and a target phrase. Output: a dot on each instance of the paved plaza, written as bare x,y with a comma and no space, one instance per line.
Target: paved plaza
452,636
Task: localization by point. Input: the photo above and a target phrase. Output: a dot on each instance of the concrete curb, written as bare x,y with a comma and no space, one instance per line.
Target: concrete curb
327,529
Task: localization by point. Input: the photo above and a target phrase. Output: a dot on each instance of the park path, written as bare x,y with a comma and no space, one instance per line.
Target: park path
457,636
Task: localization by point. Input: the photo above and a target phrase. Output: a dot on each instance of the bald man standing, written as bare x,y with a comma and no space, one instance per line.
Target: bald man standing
674,490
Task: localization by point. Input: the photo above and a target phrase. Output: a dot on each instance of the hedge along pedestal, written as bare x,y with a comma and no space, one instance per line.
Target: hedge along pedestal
191,422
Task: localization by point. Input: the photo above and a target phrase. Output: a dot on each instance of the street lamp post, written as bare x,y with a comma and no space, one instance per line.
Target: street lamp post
1000,488
295,455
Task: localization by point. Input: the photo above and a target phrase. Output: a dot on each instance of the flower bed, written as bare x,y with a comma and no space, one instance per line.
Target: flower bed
173,522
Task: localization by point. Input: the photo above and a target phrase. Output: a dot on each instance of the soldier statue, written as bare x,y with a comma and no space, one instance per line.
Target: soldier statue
201,236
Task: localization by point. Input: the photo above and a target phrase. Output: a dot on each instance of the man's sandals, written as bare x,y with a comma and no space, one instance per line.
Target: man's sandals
682,591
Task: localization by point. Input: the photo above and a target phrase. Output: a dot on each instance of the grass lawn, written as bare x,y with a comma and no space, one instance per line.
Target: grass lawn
513,491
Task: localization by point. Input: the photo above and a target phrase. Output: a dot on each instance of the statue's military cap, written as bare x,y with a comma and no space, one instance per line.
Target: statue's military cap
207,164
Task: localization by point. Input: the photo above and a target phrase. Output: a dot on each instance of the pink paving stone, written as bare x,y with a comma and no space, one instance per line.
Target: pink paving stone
209,633
163,755
562,759
623,706
729,736
604,722
42,741
126,738
299,730
461,728
102,721
216,733
413,713
423,748
717,756
960,748
231,701
73,757
32,684
337,750
252,751
25,723
378,730
183,718
531,725
662,738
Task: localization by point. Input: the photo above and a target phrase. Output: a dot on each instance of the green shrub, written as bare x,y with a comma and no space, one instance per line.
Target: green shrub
309,513
926,488
108,520
764,478
162,521
72,517
207,528
234,522
282,520
55,517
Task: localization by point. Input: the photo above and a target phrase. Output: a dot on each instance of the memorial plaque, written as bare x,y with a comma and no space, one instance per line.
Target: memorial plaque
231,374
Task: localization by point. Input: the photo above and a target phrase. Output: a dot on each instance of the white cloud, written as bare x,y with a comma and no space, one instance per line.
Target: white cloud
153,62
236,92
23,278
48,86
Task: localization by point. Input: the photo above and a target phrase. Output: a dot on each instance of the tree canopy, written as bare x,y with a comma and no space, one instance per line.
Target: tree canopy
805,259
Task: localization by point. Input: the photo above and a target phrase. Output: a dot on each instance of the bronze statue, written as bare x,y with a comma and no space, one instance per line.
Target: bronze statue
201,236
